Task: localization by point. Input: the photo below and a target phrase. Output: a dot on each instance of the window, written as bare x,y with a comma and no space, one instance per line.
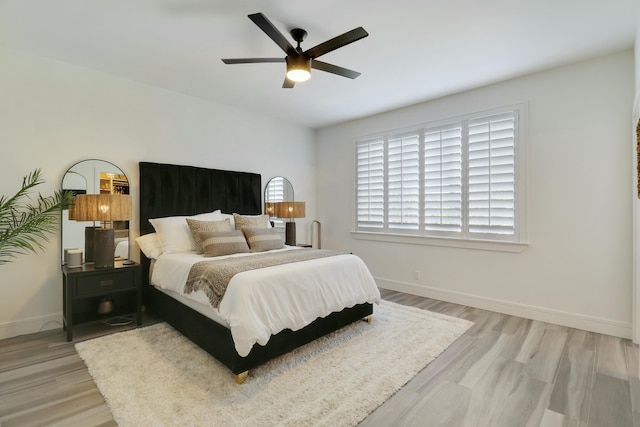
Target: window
458,178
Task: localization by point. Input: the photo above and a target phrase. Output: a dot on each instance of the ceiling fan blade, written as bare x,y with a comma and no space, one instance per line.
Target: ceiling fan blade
337,42
330,68
288,83
265,25
251,60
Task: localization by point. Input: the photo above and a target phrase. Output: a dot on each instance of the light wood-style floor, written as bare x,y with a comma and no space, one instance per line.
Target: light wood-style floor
505,371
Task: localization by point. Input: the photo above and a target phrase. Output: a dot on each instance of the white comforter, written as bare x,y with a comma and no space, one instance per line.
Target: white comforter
260,303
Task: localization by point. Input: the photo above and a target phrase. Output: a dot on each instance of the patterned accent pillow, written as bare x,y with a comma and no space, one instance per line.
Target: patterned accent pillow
243,221
218,243
263,239
197,226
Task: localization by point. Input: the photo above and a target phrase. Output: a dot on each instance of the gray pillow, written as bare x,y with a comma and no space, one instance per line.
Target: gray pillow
263,239
218,243
197,226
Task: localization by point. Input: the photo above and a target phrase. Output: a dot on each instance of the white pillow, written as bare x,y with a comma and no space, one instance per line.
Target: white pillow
150,245
174,233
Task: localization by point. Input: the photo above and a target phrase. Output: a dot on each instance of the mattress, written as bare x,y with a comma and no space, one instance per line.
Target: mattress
204,309
260,303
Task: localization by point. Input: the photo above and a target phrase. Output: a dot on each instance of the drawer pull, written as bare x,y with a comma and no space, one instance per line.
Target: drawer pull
106,282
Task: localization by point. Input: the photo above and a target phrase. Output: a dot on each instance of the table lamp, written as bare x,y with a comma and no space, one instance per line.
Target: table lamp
289,210
105,208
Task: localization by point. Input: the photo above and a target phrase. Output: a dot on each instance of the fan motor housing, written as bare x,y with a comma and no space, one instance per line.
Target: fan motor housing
300,61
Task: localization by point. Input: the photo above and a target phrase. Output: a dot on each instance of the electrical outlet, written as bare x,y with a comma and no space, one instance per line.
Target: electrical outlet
416,275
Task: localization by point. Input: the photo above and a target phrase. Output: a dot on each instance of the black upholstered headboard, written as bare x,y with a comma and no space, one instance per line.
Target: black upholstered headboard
170,190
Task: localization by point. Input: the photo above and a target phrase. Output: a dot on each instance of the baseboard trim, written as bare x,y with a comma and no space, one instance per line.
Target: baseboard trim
563,318
30,326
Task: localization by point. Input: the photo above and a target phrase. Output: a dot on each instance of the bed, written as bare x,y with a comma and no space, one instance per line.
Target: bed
174,190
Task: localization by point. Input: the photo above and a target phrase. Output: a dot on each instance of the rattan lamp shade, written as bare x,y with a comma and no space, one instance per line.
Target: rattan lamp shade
289,210
101,207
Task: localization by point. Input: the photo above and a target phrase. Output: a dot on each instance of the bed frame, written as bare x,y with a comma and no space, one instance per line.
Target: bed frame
170,190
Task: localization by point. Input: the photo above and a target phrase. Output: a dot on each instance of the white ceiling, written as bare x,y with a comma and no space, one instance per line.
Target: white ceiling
416,50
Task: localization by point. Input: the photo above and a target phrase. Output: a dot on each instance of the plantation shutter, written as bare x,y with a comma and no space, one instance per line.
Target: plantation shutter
370,184
443,179
275,189
404,182
275,193
492,174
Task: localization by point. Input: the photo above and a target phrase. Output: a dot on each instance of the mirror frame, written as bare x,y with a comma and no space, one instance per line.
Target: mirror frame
94,182
275,191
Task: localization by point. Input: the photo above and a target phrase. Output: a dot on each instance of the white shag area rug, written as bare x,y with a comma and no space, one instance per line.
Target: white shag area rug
153,376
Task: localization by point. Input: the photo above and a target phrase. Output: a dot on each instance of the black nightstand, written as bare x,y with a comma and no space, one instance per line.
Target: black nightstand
84,288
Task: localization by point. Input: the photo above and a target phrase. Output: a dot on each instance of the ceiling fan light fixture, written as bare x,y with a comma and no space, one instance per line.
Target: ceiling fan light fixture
299,61
298,68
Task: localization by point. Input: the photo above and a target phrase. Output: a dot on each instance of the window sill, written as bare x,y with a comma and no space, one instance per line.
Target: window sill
449,242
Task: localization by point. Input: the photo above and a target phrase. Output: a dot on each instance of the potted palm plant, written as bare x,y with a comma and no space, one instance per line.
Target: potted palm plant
26,222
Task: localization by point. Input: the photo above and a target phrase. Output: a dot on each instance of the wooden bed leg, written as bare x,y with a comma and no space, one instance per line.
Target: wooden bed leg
369,318
239,378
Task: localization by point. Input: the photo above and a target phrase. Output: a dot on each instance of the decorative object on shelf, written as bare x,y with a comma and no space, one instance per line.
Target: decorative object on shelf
106,305
290,210
106,208
23,225
74,258
66,254
113,183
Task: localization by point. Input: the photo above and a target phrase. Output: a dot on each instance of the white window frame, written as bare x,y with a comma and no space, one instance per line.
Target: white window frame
488,241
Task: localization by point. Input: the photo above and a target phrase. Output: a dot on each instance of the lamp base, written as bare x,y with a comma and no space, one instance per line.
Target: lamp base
103,248
89,236
290,233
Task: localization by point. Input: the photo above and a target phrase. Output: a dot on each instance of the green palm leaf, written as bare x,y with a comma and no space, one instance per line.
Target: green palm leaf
26,222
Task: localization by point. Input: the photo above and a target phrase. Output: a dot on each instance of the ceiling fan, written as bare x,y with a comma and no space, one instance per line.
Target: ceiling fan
299,62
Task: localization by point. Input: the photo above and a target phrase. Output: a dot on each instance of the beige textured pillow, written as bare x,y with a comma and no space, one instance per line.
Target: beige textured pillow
243,221
150,245
262,239
218,243
197,226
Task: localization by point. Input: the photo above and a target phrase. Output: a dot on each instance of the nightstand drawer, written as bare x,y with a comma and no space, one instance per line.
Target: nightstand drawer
105,283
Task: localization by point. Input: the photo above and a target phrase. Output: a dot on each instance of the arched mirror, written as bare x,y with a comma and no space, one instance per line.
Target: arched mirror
97,177
278,189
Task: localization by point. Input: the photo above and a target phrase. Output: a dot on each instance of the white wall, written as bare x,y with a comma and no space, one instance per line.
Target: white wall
636,200
54,114
577,270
